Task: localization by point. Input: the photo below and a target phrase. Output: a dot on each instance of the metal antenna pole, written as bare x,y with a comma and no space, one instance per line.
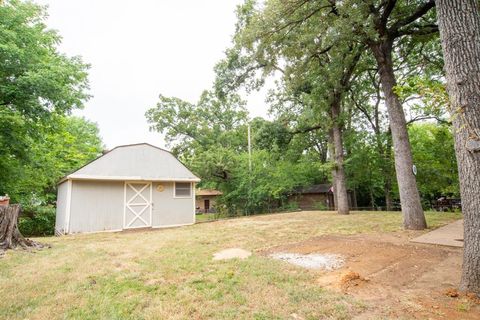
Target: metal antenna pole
249,167
249,150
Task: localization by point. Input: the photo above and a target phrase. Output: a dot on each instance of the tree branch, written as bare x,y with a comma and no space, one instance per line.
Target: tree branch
420,12
420,118
418,30
293,24
365,113
321,52
306,130
389,6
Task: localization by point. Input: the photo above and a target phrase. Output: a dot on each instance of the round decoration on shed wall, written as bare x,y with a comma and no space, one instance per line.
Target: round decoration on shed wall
160,188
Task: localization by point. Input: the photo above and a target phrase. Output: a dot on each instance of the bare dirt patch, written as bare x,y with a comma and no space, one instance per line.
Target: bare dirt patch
352,279
232,253
397,277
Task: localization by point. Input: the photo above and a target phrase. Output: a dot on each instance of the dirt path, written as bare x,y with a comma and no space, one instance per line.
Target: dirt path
396,278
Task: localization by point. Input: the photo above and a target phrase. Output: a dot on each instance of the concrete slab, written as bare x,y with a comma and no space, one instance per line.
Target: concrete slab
449,235
325,261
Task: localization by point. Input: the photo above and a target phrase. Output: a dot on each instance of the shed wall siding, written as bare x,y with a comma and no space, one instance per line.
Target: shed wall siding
170,211
96,206
61,207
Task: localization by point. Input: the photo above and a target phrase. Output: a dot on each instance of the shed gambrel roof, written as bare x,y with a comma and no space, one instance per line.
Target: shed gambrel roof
143,162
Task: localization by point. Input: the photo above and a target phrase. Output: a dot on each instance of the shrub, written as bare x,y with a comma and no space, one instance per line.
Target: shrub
290,206
37,221
319,205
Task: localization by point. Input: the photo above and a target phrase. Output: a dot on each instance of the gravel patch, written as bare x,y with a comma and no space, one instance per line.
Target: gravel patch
311,261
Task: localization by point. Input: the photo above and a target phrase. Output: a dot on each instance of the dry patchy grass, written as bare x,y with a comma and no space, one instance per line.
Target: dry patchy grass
169,273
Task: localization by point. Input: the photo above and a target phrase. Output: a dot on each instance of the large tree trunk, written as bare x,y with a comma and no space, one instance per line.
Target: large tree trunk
413,217
340,185
459,24
10,236
334,172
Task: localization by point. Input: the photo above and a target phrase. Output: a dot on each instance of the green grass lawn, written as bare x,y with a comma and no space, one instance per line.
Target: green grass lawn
170,274
206,217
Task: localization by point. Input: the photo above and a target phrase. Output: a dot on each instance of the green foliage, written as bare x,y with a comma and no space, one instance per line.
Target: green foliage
39,87
267,185
35,79
310,47
367,169
317,52
37,221
211,138
320,206
209,121
434,156
289,206
431,98
66,144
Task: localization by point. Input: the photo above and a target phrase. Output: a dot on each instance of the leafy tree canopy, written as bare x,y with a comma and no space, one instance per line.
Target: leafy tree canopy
65,145
35,79
39,87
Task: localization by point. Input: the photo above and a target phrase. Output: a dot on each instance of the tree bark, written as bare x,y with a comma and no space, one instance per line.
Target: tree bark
413,217
334,171
388,194
459,24
10,236
388,174
372,200
340,177
385,153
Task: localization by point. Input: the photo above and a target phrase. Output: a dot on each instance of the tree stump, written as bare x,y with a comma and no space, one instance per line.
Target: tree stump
10,236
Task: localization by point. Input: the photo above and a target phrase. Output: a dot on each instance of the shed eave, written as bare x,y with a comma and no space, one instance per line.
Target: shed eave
126,178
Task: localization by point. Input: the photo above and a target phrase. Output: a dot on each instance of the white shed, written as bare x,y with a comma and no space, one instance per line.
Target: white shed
131,186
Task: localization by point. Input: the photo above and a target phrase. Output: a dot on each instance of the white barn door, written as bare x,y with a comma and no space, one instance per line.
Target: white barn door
137,211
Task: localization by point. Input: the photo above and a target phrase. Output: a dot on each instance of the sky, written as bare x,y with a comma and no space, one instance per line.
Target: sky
140,49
